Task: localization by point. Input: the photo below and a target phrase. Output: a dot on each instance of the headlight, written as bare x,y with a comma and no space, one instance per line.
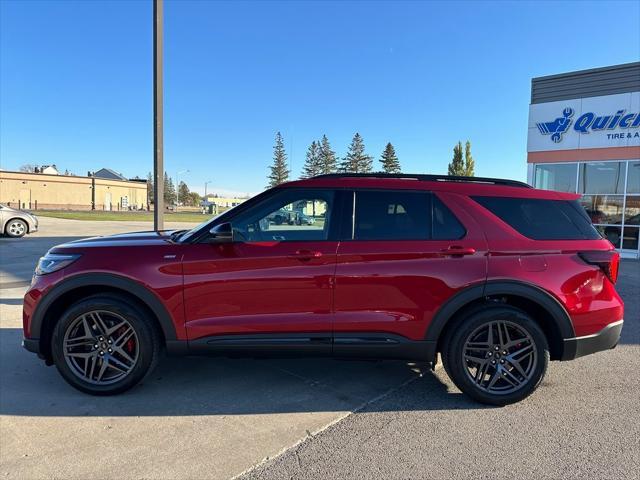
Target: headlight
53,262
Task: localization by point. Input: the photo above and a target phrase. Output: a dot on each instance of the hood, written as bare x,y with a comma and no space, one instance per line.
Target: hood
120,240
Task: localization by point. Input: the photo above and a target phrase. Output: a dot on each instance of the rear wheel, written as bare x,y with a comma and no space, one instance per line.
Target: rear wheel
104,345
16,228
497,355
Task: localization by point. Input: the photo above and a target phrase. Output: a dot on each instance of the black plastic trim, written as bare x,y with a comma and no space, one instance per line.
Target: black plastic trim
107,280
501,287
382,345
605,339
263,345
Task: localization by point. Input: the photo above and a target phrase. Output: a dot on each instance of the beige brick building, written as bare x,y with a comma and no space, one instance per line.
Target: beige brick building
33,191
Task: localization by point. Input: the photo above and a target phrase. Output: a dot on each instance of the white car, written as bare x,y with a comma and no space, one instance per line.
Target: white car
16,223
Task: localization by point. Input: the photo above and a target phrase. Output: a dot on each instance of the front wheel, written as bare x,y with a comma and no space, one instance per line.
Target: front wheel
16,228
104,345
497,355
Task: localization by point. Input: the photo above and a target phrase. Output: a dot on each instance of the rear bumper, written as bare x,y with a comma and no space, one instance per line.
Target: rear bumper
605,339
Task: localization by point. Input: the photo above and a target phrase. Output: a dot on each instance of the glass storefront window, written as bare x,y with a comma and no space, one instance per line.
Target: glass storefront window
632,210
561,178
633,182
602,177
630,239
603,208
612,234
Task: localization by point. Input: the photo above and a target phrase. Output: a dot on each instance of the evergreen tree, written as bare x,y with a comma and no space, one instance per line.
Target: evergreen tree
312,165
469,165
389,160
356,161
279,171
183,193
150,188
169,190
328,160
456,167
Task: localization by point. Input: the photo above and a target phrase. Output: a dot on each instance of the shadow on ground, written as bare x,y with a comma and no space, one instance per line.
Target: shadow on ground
217,386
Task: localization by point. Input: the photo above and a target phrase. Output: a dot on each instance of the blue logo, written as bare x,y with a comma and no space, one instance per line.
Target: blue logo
559,126
590,122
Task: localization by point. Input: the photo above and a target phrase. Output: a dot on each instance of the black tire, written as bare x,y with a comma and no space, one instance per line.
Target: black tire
16,228
460,370
147,341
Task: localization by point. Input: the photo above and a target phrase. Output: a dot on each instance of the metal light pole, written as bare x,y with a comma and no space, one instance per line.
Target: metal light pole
158,160
205,188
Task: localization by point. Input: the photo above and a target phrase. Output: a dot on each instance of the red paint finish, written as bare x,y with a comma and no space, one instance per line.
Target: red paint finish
259,287
345,285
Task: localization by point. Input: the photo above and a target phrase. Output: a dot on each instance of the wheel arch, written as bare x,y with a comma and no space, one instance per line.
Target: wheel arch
545,309
72,289
6,224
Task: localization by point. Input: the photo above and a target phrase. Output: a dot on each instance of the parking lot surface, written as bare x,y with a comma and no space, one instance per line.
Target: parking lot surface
218,418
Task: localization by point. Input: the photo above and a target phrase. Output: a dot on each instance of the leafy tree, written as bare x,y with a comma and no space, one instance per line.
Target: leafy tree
279,171
183,193
357,161
312,165
469,165
328,160
193,199
169,190
150,188
389,160
456,167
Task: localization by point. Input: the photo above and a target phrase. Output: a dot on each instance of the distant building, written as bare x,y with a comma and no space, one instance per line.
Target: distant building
108,173
220,204
33,191
48,170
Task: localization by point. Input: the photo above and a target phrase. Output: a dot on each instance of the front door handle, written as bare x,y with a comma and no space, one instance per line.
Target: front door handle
306,254
457,251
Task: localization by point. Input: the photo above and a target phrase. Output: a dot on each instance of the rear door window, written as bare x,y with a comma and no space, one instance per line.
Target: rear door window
541,219
392,215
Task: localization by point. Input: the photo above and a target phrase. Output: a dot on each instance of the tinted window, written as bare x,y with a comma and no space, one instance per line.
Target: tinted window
542,219
290,215
389,215
445,225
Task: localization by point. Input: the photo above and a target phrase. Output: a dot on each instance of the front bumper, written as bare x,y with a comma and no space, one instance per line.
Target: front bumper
605,339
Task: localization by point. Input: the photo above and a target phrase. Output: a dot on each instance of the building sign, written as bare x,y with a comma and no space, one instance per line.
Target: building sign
597,122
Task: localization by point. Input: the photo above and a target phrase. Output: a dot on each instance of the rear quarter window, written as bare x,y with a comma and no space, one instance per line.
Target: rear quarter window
541,219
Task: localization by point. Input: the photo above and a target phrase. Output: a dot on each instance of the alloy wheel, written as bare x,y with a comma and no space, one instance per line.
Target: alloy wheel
499,357
101,347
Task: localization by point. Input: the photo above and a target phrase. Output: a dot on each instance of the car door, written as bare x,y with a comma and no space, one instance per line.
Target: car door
272,286
405,254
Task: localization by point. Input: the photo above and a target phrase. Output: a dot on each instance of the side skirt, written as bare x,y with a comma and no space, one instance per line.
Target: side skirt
343,345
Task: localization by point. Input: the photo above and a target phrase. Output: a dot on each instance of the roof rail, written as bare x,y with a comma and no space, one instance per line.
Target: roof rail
429,178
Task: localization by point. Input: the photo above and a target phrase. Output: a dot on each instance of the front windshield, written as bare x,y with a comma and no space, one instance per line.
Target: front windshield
189,234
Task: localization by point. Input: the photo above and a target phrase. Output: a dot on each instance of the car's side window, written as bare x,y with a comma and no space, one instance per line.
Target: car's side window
445,225
392,215
290,215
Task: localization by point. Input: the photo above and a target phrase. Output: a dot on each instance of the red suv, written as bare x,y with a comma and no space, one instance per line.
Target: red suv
496,276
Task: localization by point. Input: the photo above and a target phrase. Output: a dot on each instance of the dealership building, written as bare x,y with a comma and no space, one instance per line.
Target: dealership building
584,137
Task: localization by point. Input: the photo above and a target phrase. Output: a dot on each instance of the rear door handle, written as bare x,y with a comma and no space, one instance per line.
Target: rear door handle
457,251
306,254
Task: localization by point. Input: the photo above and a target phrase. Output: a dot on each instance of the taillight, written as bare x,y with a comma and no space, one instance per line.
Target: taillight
608,261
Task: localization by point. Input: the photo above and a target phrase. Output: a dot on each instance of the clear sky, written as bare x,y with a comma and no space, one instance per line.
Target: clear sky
76,80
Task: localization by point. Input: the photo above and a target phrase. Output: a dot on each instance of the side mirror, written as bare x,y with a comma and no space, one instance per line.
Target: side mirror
222,233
